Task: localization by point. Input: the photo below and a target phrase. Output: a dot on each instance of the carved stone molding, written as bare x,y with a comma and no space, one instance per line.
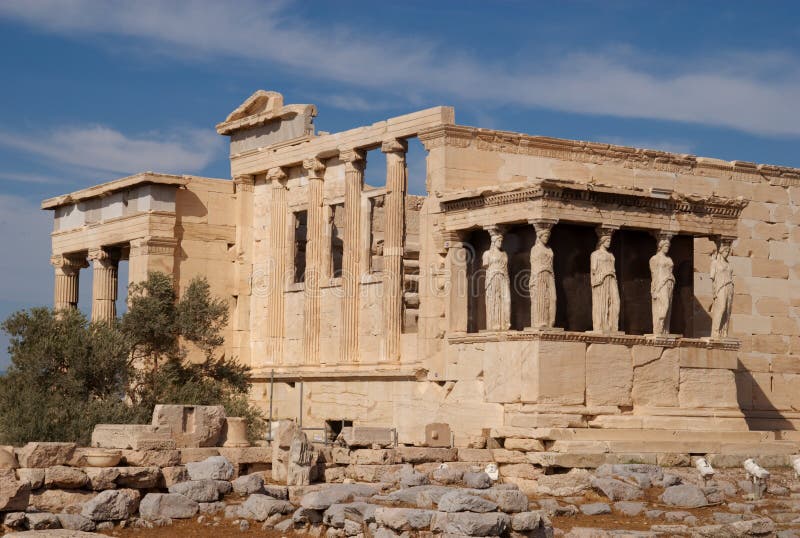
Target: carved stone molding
67,263
244,183
277,175
153,245
593,152
353,158
315,168
394,145
591,338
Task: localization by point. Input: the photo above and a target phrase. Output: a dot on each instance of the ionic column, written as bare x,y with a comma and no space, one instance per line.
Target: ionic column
315,170
458,285
354,160
67,273
277,262
104,284
394,209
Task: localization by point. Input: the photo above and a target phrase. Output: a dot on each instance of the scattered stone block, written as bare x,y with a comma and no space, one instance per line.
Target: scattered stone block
34,476
60,476
438,434
213,468
595,509
337,493
152,458
75,522
112,505
138,477
260,507
167,505
684,496
192,425
462,501
200,491
248,484
43,455
412,454
403,519
469,524
14,494
479,480
367,436
8,459
40,521
616,490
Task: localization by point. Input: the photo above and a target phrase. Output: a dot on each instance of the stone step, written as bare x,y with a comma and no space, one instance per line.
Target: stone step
602,434
685,446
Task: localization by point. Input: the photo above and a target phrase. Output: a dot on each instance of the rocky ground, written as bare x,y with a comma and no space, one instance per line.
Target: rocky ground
613,500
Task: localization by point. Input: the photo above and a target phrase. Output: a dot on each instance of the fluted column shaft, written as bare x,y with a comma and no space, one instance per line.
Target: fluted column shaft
277,262
458,285
67,273
351,263
315,170
394,209
104,284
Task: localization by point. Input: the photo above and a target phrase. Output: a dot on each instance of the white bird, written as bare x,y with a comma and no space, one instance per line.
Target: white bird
704,468
796,465
492,470
755,470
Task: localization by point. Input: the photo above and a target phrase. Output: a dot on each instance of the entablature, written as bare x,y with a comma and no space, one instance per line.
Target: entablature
591,203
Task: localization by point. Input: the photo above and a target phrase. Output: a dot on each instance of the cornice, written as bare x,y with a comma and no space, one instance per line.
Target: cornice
460,136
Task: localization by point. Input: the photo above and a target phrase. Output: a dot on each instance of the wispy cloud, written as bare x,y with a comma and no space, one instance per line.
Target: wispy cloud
25,177
754,92
104,149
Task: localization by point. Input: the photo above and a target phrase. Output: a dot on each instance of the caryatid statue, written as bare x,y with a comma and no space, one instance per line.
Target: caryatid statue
662,285
498,290
722,289
542,284
605,292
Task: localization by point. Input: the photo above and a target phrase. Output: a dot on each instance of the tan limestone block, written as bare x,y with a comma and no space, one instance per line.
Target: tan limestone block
479,455
557,373
770,343
764,230
655,383
742,304
609,375
762,391
501,370
525,445
784,326
786,364
695,357
754,248
769,268
707,388
744,389
784,391
743,323
757,211
764,192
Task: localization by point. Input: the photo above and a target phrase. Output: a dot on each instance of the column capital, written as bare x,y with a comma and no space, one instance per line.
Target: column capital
244,183
354,158
315,167
495,229
68,263
276,174
103,255
604,230
395,145
542,224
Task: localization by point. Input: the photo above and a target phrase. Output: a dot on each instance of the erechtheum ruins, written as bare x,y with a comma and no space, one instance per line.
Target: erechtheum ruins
543,288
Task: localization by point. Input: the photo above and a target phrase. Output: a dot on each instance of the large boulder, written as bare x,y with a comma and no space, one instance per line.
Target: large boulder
14,494
167,505
138,477
470,524
41,455
247,484
337,493
201,491
684,496
617,490
507,500
337,515
59,500
213,468
112,505
570,484
60,476
403,519
260,507
39,521
462,501
75,522
8,459
34,476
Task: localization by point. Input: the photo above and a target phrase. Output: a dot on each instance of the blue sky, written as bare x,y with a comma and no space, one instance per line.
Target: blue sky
97,90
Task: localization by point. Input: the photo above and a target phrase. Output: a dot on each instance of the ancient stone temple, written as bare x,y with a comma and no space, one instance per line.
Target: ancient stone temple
540,282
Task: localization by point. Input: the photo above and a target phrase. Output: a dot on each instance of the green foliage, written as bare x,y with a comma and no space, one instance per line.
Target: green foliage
68,374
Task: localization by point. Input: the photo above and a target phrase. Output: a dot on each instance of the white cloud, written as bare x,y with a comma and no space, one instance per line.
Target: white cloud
25,177
754,92
104,149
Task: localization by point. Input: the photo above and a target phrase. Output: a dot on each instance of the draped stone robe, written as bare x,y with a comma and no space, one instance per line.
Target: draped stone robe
722,287
542,286
498,291
662,285
605,293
